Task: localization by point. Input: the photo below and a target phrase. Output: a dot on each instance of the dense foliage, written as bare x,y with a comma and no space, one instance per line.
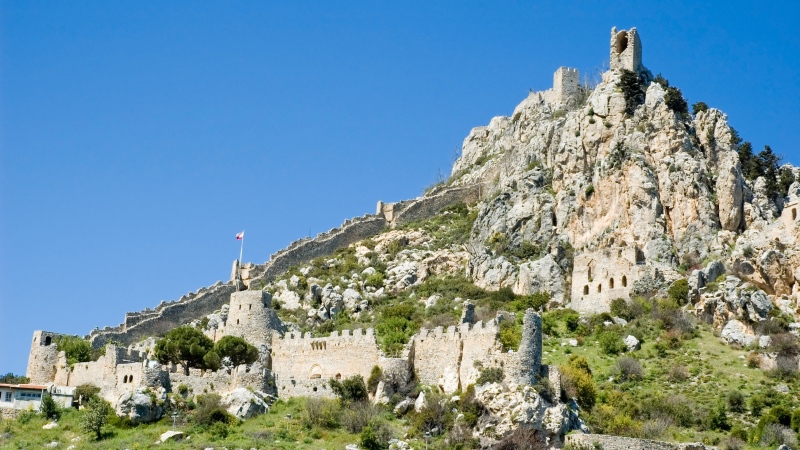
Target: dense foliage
184,345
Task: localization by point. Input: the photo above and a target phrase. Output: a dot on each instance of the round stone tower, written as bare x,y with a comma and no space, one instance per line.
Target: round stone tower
251,317
530,348
43,357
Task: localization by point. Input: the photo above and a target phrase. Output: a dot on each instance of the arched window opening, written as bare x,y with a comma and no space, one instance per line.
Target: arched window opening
240,307
611,283
249,307
316,372
794,213
338,376
624,281
586,290
237,321
130,379
622,41
589,269
48,340
599,288
639,257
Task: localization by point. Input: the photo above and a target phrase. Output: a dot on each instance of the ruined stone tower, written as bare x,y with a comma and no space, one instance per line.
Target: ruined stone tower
251,317
626,50
530,348
566,83
43,357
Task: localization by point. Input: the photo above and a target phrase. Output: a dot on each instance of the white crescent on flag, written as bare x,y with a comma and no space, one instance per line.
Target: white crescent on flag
240,236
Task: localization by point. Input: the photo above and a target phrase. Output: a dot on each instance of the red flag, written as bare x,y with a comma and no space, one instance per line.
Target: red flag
240,236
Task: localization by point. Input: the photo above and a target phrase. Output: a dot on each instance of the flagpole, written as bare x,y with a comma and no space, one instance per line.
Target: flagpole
241,248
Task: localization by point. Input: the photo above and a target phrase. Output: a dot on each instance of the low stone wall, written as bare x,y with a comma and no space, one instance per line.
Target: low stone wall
206,381
166,316
425,207
607,442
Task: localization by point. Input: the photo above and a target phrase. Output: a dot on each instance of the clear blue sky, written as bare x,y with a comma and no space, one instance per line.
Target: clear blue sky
137,138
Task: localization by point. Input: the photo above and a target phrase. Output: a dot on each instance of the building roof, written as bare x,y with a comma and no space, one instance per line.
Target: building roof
37,387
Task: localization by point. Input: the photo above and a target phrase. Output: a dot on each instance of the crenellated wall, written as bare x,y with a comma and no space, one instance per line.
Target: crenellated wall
303,363
165,316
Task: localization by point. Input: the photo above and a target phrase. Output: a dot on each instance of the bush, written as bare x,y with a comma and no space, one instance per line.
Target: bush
435,414
49,408
510,335
611,343
632,89
359,415
521,438
10,378
735,401
629,369
718,418
732,443
679,291
376,436
490,375
678,373
589,191
209,411
351,389
375,280
675,101
578,384
321,412
85,392
620,308
76,349
375,377
699,107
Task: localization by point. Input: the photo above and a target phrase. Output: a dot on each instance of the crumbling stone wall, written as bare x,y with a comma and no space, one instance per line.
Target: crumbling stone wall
43,357
626,50
199,381
566,87
302,364
453,359
603,275
166,316
425,207
607,442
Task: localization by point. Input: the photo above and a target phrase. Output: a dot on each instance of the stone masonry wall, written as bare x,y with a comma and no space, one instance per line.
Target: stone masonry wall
43,357
251,317
166,316
429,205
301,364
607,442
601,276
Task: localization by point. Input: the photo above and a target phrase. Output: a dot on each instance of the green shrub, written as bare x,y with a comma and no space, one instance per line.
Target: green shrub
577,383
718,418
736,402
510,335
629,369
95,416
375,436
49,408
679,291
358,415
321,412
375,377
76,349
209,411
537,300
490,375
611,343
375,280
675,101
619,308
85,392
589,191
632,89
10,378
351,389
699,107
237,349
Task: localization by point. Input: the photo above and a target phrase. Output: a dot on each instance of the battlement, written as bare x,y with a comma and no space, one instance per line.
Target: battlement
566,88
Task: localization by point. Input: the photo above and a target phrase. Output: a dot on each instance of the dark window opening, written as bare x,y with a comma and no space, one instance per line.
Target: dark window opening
48,340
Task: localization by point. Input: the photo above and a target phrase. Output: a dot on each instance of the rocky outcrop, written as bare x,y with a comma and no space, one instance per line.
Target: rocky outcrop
142,405
245,403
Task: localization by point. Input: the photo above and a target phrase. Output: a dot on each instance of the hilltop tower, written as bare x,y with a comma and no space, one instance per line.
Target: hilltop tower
251,317
43,357
530,348
566,84
626,50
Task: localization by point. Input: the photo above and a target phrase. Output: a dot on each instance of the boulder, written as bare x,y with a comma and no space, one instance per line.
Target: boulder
736,332
403,407
632,343
141,405
244,403
419,404
171,435
352,299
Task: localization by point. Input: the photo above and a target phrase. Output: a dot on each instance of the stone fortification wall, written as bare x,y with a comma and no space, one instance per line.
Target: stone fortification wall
255,377
453,359
165,316
626,50
43,357
425,207
566,88
625,443
302,364
304,250
603,275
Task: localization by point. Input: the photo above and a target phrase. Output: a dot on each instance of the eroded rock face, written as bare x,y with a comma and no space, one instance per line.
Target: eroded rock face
244,403
142,405
512,407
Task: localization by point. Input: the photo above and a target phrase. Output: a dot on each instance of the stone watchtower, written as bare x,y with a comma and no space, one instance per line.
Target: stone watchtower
251,317
566,84
43,357
530,348
626,50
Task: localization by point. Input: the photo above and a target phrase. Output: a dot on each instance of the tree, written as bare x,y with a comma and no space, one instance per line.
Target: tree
769,165
76,349
750,164
95,416
699,107
632,90
679,291
10,378
237,349
675,101
49,408
352,389
184,345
